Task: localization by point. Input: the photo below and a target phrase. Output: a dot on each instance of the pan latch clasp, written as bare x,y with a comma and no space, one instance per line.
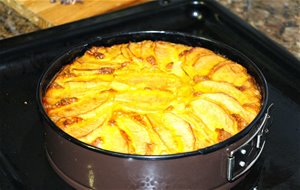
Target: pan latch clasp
241,159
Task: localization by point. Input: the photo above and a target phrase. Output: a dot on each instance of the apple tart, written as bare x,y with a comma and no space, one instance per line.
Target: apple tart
152,98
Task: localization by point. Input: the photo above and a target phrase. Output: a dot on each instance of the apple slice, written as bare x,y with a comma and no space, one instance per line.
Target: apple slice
112,53
84,104
157,80
163,132
74,89
135,49
157,146
107,137
213,116
181,131
95,64
167,53
126,52
209,86
137,135
83,124
103,54
203,135
189,58
205,64
232,73
144,101
230,104
93,78
147,49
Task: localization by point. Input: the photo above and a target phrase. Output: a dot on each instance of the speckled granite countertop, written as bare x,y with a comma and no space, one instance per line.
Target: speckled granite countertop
12,23
278,19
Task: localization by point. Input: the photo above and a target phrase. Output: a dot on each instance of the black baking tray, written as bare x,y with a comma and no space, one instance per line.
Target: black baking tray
23,163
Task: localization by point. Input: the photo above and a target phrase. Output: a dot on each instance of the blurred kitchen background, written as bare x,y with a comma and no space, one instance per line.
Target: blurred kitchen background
278,19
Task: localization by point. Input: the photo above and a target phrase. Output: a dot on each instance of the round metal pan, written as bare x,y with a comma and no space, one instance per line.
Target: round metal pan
219,166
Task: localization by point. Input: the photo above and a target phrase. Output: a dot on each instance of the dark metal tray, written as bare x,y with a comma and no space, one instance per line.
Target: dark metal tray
23,164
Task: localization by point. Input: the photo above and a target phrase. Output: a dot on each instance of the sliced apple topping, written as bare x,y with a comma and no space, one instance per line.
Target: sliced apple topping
138,136
229,104
203,135
232,73
84,104
150,80
152,98
86,122
213,116
144,101
75,89
205,64
107,137
181,131
166,135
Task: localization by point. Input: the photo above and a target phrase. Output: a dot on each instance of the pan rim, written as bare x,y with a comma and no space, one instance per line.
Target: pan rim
203,151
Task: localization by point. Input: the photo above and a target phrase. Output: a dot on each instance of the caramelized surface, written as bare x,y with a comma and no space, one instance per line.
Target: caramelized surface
152,98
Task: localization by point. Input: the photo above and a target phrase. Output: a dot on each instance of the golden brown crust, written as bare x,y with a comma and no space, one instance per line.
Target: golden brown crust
152,98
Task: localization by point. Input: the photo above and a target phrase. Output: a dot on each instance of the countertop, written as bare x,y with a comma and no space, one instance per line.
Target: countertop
278,19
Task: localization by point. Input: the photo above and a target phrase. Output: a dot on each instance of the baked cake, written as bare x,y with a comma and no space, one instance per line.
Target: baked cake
152,98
